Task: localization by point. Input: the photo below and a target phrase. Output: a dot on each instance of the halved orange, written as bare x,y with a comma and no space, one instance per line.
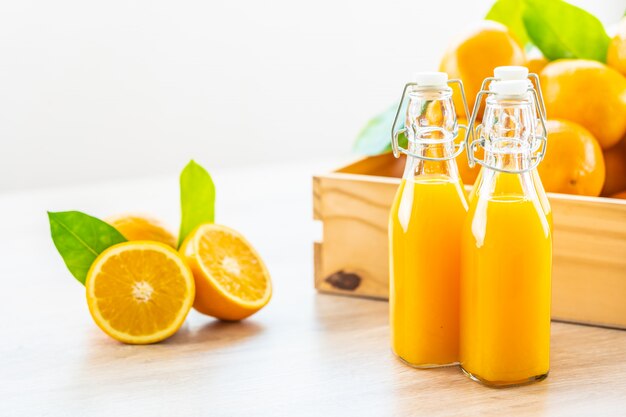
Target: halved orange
232,281
139,292
141,227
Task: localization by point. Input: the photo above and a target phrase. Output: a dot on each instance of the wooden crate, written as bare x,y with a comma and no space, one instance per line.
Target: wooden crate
589,263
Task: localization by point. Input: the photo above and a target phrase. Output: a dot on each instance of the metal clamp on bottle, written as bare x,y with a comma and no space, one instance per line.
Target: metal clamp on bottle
505,89
515,72
429,81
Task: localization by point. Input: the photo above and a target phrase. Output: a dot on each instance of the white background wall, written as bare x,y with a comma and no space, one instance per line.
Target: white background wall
91,90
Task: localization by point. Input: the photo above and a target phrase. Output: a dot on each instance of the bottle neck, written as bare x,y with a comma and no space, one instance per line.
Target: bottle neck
420,165
508,132
431,126
508,158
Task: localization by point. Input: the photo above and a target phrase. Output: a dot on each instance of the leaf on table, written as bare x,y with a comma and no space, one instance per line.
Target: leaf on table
561,30
509,13
197,199
374,138
80,238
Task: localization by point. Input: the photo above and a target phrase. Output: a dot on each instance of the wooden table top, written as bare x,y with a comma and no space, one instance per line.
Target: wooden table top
305,354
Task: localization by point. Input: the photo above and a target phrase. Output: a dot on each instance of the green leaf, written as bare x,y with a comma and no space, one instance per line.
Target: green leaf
80,238
374,138
509,13
561,30
197,199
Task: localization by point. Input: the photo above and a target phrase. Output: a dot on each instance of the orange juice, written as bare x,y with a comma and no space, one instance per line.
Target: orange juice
506,261
541,194
425,228
505,284
425,243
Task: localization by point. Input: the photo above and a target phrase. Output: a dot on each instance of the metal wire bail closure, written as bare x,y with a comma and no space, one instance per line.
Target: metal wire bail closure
472,146
541,110
397,149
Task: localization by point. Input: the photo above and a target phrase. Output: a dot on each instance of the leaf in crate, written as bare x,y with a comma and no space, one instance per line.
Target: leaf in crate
561,30
509,13
197,199
80,238
375,137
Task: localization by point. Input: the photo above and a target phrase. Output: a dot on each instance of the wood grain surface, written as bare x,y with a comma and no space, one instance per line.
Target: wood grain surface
306,354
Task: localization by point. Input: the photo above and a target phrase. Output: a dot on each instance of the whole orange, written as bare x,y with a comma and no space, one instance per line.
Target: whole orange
616,55
536,63
573,163
473,56
141,227
588,93
621,195
615,160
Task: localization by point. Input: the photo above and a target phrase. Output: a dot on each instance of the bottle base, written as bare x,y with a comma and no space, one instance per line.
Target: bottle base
424,365
503,384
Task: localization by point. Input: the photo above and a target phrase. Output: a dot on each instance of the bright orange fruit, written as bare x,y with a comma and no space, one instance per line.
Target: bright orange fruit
139,227
232,281
615,160
536,63
473,57
588,93
616,55
139,292
573,163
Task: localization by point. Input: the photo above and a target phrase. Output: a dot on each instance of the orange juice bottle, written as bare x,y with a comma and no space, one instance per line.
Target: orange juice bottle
506,247
425,228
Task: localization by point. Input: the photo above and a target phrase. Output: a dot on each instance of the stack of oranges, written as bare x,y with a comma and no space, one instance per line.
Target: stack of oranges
585,103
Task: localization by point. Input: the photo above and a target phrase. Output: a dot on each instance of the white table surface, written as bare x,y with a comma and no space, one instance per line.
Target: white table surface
304,354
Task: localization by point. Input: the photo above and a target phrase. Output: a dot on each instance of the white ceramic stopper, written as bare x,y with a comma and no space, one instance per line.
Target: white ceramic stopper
431,79
509,88
510,72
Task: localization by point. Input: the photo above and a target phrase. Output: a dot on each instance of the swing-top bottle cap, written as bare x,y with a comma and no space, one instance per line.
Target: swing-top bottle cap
510,72
431,79
509,87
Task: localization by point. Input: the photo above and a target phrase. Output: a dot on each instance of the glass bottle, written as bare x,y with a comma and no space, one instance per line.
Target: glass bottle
517,72
425,228
507,246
